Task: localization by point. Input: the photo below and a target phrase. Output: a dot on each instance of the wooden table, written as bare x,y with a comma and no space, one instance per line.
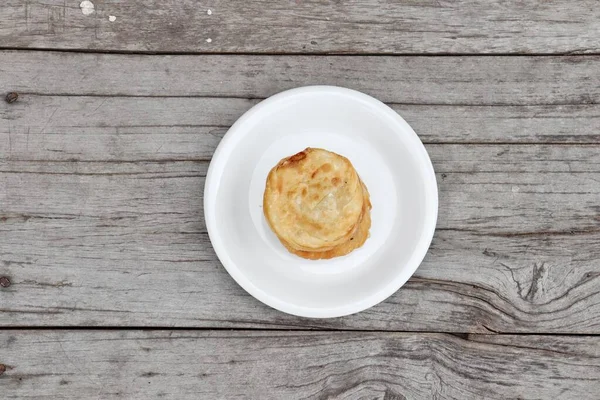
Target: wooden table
110,289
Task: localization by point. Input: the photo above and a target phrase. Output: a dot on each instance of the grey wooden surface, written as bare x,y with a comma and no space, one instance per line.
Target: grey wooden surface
416,80
271,365
306,26
516,248
102,165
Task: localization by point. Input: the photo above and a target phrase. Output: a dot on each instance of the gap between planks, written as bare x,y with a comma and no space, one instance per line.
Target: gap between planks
316,330
226,97
303,53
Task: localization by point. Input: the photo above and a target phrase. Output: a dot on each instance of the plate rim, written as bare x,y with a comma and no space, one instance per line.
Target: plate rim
211,184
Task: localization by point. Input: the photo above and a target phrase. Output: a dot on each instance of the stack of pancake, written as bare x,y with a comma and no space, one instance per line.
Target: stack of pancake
317,205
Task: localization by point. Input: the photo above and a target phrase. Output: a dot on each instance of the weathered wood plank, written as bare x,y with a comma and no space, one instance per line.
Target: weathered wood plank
365,26
124,243
104,128
413,80
101,196
555,188
129,276
272,365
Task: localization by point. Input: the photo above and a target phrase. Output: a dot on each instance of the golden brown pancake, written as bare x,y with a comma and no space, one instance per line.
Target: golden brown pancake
356,240
317,205
313,200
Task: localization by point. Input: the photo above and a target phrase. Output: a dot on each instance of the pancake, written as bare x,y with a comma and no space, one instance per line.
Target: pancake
313,200
358,238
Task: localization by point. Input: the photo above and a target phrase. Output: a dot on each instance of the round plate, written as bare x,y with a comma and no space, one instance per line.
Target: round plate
388,156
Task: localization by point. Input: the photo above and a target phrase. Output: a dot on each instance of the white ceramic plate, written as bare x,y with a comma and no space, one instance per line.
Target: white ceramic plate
388,156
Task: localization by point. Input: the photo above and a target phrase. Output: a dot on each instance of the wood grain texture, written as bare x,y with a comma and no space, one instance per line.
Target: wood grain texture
102,170
103,159
405,80
122,243
306,26
270,365
103,128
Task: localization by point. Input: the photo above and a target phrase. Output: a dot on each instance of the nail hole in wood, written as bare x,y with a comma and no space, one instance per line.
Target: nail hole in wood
12,97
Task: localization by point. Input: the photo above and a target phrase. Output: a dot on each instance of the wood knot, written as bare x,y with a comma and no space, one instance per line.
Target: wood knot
2,369
4,281
12,97
538,276
391,395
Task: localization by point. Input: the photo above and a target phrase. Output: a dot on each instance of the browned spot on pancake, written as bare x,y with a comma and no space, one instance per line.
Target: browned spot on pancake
324,168
296,158
335,181
304,192
316,197
279,184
